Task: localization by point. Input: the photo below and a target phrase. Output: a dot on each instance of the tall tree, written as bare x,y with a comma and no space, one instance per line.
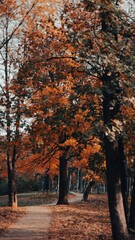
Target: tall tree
104,39
10,16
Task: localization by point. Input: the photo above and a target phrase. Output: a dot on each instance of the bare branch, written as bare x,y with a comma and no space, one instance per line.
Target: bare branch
15,30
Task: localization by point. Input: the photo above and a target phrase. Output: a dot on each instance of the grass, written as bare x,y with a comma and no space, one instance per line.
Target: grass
31,199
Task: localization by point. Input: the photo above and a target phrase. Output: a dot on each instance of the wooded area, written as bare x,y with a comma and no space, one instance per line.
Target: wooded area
67,102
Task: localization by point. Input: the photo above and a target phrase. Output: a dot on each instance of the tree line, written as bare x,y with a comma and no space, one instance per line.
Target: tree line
67,97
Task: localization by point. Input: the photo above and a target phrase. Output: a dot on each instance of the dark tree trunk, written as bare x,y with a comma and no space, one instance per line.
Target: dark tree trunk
12,190
115,199
87,190
124,180
63,180
46,183
111,107
132,210
80,181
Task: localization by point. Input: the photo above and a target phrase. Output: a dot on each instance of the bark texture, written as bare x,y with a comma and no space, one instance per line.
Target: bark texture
115,199
12,190
63,179
113,151
132,211
124,181
87,190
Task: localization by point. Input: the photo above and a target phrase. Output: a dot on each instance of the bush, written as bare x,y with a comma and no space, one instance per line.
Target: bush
24,184
3,186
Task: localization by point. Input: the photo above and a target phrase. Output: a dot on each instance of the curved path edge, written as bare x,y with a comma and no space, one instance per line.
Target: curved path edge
34,225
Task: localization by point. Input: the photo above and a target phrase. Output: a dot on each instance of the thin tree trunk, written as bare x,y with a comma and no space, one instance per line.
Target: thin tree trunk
12,190
69,179
63,180
12,163
87,190
80,181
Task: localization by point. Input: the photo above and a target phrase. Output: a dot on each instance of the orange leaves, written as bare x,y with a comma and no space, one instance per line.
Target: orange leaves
70,142
53,169
83,163
90,150
48,90
39,141
79,118
70,49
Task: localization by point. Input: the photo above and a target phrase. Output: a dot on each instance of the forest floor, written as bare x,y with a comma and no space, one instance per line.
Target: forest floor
47,221
82,221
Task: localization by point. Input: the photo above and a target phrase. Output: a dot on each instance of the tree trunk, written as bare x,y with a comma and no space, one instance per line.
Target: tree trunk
113,151
10,162
69,179
87,190
12,191
80,188
63,180
115,199
124,180
132,210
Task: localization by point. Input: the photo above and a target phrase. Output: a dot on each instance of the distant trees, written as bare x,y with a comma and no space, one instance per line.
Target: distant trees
11,122
10,113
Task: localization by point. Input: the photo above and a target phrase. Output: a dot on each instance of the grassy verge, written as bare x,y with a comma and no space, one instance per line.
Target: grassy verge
31,199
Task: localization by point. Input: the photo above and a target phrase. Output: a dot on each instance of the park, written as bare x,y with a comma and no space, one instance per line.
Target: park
67,120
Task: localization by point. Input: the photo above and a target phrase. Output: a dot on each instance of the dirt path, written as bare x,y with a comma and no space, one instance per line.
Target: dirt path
34,225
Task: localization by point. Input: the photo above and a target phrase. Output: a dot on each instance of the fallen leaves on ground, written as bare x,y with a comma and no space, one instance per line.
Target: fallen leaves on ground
87,221
8,216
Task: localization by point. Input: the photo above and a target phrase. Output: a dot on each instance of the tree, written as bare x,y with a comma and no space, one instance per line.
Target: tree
11,11
7,105
54,100
104,38
132,210
88,189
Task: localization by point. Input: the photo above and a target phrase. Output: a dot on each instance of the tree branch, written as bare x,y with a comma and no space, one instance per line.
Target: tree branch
15,30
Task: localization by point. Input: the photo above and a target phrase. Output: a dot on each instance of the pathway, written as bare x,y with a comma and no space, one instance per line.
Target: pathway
35,224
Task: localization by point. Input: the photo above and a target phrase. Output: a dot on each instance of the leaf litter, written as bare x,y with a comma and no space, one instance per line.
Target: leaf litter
77,221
